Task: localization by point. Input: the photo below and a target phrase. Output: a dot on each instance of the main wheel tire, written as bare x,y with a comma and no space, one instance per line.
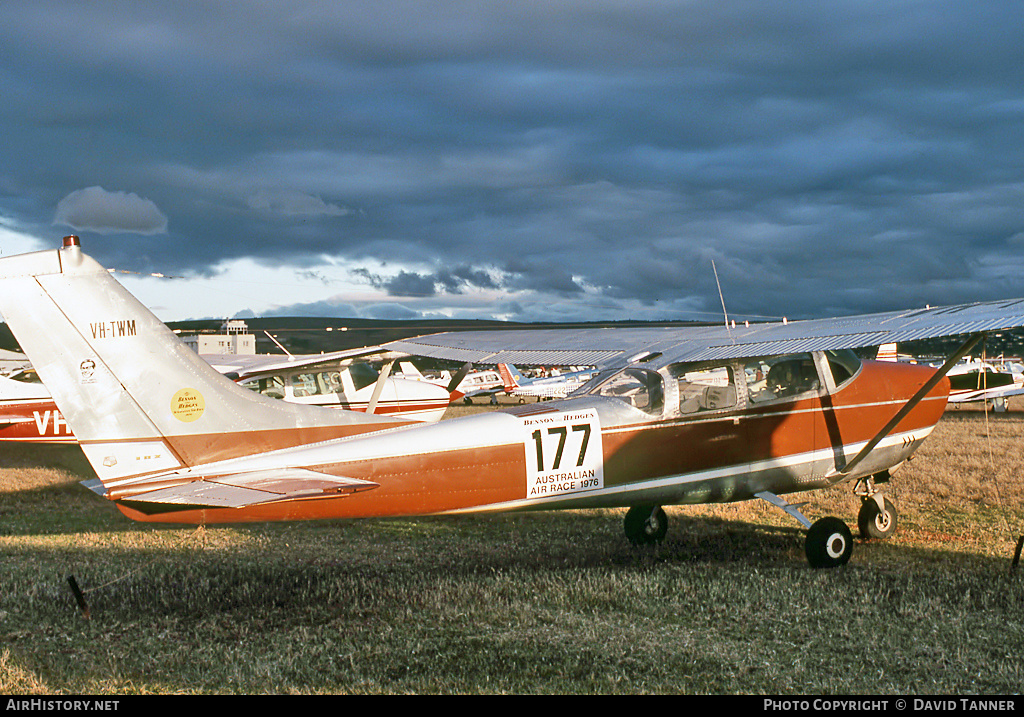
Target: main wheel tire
874,523
829,543
645,525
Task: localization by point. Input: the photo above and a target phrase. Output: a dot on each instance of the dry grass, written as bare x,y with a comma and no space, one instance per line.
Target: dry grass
528,603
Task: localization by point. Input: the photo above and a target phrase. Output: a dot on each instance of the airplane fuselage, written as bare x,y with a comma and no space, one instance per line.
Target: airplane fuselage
587,452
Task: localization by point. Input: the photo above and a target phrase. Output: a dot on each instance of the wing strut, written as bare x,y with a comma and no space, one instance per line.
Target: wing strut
909,406
379,386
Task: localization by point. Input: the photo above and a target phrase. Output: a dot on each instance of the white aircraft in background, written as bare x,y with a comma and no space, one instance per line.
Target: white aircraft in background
172,440
341,380
555,386
974,380
485,382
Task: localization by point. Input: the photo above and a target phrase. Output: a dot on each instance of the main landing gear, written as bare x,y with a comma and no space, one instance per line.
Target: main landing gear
829,542
645,524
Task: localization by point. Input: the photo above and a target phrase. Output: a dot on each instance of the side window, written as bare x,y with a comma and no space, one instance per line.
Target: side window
363,375
331,381
639,388
709,389
305,384
271,386
780,377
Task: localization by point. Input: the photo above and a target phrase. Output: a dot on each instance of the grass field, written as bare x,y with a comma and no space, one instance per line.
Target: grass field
525,603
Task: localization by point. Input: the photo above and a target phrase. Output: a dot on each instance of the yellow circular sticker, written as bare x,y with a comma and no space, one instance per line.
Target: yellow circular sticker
187,405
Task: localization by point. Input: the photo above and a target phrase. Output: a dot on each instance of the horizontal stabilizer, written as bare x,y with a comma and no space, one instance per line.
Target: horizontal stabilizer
245,489
12,420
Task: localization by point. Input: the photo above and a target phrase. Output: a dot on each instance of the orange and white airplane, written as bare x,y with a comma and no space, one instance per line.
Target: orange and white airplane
173,440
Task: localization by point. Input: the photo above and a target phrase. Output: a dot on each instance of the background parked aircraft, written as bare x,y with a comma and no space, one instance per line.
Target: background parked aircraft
343,379
559,385
974,380
473,383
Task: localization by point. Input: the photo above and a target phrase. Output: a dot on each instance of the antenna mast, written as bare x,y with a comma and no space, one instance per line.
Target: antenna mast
722,298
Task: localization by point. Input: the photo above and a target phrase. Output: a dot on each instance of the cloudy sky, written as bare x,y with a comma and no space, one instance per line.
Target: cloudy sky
522,160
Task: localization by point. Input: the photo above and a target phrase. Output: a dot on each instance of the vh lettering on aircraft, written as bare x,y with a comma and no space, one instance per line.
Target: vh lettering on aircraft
564,453
674,416
112,329
51,423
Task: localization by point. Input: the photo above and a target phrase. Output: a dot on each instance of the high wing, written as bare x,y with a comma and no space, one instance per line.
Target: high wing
610,346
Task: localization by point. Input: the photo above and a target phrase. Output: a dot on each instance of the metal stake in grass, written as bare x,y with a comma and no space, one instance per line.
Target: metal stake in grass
1016,554
78,596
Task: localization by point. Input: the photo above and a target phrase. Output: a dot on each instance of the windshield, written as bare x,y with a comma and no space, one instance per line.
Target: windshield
844,365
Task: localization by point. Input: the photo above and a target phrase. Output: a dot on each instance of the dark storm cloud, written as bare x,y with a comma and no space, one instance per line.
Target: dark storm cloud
574,158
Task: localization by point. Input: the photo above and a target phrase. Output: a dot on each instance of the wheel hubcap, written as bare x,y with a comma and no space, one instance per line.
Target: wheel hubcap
883,521
835,545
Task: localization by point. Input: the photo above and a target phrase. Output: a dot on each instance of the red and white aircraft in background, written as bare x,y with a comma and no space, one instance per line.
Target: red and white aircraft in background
559,385
173,440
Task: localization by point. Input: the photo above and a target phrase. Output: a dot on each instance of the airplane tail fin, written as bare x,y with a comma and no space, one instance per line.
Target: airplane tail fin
510,376
138,400
887,352
410,371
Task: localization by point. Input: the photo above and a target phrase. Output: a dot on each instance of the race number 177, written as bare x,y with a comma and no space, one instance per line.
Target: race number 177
562,432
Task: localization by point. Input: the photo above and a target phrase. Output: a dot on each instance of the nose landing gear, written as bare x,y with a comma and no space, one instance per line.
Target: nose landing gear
877,516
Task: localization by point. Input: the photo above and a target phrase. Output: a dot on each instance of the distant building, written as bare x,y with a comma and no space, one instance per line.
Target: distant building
234,339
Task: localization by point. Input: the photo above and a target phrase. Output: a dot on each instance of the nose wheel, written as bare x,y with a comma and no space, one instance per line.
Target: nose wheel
876,522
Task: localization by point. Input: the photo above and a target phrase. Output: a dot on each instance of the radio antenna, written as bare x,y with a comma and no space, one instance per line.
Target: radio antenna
721,297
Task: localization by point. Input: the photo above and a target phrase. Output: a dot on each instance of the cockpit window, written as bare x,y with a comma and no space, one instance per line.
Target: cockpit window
638,387
779,377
